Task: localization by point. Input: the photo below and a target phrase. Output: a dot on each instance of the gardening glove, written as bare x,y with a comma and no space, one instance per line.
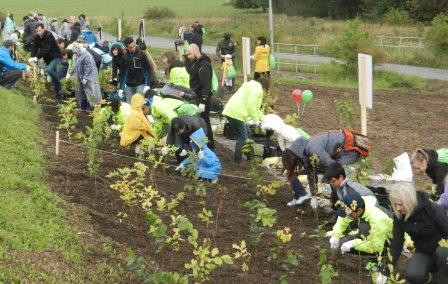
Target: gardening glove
150,118
84,81
201,107
68,76
27,69
250,122
138,150
115,127
228,56
313,202
48,79
200,155
252,57
145,89
180,167
32,60
347,246
183,153
120,93
164,151
334,242
381,279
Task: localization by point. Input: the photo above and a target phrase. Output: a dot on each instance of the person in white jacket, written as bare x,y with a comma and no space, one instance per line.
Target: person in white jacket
286,134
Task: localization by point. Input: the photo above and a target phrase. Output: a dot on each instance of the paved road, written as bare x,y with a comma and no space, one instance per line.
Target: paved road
422,72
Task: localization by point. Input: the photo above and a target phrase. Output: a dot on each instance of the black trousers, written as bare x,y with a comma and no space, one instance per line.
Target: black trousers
420,265
10,77
206,116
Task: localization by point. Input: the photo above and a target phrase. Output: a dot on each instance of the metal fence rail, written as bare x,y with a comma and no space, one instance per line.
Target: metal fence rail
400,42
295,49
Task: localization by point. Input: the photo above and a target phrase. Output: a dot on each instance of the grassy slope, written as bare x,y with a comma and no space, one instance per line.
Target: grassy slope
37,242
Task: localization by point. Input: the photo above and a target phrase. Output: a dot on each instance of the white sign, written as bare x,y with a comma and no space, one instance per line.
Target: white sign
246,57
365,80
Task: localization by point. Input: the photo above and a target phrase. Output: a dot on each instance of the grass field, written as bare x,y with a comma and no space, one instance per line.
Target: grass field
112,8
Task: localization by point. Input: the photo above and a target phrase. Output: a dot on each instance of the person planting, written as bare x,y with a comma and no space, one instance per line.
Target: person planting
137,125
426,223
374,227
342,146
244,109
175,71
432,162
10,71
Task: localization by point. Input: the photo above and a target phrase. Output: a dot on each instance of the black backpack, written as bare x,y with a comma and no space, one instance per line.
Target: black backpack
178,92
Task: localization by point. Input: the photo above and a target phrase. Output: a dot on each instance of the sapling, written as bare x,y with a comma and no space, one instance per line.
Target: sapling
206,217
67,113
346,108
270,188
242,254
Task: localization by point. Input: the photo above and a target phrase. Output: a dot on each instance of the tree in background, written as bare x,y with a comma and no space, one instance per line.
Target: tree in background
437,36
426,10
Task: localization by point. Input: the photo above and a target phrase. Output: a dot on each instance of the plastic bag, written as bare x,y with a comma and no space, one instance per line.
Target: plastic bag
271,61
442,154
231,72
214,84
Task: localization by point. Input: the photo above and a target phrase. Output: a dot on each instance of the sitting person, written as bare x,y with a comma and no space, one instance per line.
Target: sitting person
66,63
10,71
317,153
182,127
137,125
426,223
208,166
427,161
373,230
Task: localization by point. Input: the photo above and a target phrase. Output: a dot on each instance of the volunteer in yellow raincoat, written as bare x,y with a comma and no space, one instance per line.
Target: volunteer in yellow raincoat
137,125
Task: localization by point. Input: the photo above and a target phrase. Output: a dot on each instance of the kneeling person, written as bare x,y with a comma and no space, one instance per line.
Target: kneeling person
374,226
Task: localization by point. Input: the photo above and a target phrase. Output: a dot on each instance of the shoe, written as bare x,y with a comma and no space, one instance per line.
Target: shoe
292,203
302,199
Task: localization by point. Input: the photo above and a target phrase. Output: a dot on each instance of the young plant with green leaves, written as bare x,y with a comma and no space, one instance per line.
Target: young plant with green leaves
346,108
242,255
68,114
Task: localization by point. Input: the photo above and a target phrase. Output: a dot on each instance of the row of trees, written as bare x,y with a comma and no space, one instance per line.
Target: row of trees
418,10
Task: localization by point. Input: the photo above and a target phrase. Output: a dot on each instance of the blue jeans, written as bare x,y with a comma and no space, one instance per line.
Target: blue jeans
128,92
242,134
297,188
51,70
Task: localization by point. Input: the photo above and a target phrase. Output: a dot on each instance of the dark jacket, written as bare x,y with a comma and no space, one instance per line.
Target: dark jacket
45,47
436,171
226,46
136,69
197,39
29,32
193,123
201,78
427,225
75,33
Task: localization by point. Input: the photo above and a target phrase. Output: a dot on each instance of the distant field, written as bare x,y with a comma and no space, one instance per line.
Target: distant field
112,8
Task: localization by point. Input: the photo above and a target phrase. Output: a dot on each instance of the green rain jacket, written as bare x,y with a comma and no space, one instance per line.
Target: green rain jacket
380,229
179,76
245,104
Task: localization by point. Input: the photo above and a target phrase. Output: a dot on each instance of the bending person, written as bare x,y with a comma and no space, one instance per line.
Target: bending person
428,161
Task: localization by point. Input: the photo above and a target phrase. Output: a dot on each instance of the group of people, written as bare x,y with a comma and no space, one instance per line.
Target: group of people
178,111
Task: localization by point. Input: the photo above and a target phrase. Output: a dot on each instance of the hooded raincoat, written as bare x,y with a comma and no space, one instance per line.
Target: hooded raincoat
286,134
137,124
88,84
163,110
261,58
209,167
245,104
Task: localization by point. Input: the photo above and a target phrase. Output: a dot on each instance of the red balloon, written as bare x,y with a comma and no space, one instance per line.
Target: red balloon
297,95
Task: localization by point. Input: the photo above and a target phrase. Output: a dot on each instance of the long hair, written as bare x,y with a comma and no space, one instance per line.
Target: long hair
291,163
170,57
406,193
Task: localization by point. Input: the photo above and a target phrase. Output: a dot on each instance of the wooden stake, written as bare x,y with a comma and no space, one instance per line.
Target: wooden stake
246,57
119,29
57,143
364,120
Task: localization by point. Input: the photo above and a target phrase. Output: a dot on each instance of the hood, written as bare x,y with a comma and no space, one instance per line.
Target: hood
272,122
199,138
204,57
264,49
137,102
78,48
422,201
298,147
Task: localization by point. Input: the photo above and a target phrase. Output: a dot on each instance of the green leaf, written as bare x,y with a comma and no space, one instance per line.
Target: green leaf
227,259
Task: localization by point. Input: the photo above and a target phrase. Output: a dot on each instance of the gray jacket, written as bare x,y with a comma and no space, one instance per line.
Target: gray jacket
324,145
349,186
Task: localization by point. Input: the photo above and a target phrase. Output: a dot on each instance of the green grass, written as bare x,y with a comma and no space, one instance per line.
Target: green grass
113,8
37,242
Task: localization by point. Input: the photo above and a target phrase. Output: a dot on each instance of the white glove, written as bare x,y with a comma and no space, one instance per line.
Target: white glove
145,89
48,78
183,153
150,118
32,60
250,122
84,81
252,57
313,202
201,107
68,76
256,123
334,242
180,167
347,246
381,279
138,150
228,56
164,151
329,234
120,94
200,155
27,69
114,127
